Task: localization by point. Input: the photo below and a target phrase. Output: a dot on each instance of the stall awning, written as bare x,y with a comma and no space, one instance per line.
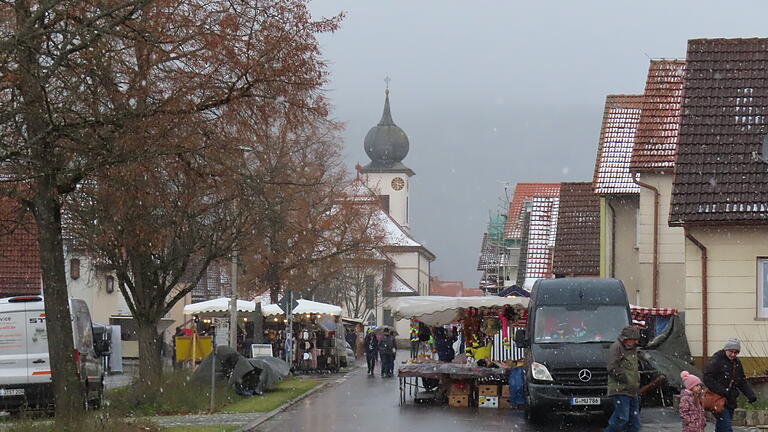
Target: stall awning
272,310
218,305
313,307
639,314
438,310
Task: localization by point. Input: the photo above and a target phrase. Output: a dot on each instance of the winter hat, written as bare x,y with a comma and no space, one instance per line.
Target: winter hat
689,380
630,332
732,344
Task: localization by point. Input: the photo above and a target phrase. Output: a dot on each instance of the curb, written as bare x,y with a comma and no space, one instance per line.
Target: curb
281,408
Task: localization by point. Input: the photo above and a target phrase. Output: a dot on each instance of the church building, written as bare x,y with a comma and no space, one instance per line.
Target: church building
390,180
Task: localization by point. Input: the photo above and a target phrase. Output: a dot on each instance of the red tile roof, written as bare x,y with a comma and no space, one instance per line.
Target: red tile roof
577,246
524,193
614,151
719,176
20,272
657,132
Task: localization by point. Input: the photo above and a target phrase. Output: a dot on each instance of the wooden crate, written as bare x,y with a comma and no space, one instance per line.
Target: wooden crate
458,400
504,402
505,390
488,390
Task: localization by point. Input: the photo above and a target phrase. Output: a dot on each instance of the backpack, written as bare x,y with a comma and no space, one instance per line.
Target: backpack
385,345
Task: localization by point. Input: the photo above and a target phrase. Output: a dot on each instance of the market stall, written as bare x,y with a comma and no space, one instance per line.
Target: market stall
274,328
318,337
212,321
472,378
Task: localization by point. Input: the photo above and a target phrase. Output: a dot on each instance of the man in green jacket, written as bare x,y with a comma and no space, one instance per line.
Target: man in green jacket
624,382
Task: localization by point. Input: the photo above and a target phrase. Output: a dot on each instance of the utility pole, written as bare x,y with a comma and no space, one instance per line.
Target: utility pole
233,304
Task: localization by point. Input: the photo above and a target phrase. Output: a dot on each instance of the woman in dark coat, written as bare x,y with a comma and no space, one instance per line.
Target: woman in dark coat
724,375
371,344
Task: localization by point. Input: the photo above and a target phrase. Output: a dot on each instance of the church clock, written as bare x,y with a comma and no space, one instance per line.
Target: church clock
398,183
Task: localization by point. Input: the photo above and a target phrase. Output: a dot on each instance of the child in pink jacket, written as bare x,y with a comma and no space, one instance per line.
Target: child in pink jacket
691,409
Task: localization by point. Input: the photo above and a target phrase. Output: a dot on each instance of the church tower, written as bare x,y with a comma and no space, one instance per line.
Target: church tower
387,145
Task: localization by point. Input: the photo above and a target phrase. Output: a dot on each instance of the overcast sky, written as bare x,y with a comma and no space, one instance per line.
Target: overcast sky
500,91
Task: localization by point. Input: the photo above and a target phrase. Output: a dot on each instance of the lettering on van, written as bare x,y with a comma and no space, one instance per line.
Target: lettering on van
36,320
5,319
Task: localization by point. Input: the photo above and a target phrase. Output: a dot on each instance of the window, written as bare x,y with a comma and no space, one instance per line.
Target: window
110,284
579,324
762,287
388,319
74,268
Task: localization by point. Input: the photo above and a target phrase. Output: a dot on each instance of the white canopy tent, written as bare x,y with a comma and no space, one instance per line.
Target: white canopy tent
272,310
313,307
218,305
440,310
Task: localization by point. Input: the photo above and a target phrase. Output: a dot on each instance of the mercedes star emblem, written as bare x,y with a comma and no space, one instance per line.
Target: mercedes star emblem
585,375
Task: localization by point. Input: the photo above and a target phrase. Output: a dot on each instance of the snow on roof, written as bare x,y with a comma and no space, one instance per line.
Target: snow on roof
524,193
541,237
617,139
394,234
398,285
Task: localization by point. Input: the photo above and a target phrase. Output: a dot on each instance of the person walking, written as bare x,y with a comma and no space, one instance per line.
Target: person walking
724,375
624,382
691,408
387,352
371,350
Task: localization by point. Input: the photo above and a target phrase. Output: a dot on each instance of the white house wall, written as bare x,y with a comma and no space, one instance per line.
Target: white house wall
381,184
671,248
732,286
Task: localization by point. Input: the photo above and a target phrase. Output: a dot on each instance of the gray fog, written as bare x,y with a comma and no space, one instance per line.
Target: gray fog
500,91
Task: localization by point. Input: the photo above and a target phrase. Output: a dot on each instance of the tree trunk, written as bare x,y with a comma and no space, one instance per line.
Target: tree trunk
68,393
67,390
150,363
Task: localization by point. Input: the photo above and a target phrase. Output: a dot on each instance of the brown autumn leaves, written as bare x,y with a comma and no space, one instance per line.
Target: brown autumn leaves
162,135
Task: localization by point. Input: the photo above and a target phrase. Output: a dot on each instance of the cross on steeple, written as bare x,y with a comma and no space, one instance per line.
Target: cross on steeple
386,81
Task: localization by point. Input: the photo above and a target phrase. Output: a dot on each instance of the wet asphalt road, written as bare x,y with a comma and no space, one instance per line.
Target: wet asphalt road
359,403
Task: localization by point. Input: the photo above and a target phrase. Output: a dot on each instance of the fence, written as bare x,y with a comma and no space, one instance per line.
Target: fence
501,353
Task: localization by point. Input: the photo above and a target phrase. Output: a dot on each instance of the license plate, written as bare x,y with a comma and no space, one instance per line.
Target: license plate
11,392
585,401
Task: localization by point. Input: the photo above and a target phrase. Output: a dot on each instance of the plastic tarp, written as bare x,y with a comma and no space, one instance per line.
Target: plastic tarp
438,310
218,305
452,370
313,307
248,376
668,354
272,310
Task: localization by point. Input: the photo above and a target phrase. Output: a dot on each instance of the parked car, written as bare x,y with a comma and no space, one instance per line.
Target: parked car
25,371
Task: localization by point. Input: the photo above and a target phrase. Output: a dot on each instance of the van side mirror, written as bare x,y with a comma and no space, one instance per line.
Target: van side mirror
102,347
521,341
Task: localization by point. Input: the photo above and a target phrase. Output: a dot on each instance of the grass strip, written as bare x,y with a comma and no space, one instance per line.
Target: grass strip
286,390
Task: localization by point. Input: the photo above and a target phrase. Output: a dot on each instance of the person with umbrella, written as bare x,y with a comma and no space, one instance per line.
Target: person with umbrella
387,352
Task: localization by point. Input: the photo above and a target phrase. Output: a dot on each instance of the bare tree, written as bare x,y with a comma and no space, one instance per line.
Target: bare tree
79,76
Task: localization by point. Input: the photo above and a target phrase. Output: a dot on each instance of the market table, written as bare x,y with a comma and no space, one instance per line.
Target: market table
410,373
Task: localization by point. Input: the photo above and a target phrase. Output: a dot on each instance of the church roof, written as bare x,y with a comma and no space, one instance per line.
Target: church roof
386,144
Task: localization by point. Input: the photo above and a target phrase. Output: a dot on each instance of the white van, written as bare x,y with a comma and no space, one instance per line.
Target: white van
25,372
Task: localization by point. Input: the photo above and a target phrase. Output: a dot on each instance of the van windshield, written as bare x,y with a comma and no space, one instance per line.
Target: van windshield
597,323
